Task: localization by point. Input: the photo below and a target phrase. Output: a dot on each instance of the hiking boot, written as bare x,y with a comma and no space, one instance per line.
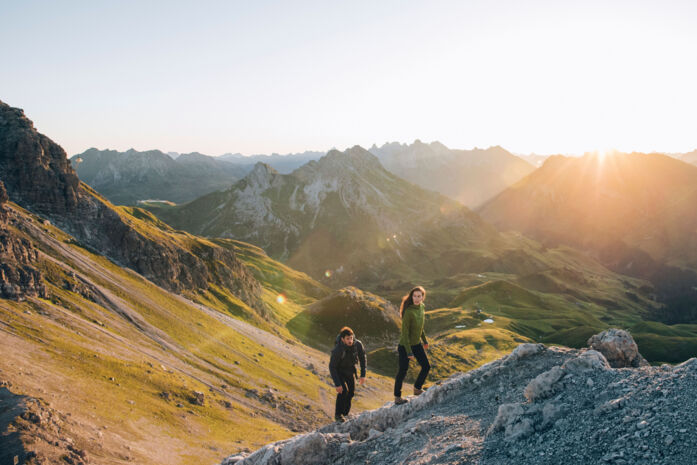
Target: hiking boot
418,392
340,419
400,401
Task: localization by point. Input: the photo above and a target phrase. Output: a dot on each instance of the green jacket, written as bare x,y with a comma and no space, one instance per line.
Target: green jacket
413,327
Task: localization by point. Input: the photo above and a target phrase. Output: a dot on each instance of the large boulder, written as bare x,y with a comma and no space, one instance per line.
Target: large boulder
618,347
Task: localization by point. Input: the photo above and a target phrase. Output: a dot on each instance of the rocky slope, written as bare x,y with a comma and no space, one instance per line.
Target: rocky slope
103,363
128,177
468,176
38,177
538,405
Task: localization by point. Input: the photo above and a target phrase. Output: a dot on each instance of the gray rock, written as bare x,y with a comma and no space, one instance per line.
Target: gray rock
587,361
543,385
618,347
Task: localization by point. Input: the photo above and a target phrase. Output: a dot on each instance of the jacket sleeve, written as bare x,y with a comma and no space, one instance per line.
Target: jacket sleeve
423,337
334,366
362,358
406,330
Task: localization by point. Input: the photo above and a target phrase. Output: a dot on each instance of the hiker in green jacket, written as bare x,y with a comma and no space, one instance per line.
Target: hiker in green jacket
410,346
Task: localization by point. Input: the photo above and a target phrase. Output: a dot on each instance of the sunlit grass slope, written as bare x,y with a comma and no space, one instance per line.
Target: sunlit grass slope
125,357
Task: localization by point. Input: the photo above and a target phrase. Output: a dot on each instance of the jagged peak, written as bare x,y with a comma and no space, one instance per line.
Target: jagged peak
260,177
354,154
10,114
263,168
336,164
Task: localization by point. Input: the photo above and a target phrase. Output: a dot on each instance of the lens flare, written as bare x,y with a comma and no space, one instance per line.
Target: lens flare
281,299
328,274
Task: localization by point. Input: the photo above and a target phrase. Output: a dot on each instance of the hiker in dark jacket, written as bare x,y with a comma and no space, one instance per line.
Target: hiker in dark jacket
342,366
412,342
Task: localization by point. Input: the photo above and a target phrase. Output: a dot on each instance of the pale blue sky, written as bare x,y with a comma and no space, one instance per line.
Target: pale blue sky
264,76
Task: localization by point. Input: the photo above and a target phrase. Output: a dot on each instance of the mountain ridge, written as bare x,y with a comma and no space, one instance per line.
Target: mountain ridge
132,176
468,176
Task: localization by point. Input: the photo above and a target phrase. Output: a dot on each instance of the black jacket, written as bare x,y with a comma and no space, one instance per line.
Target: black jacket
344,359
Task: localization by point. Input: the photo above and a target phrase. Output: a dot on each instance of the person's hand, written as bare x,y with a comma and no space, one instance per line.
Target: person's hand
426,346
411,357
339,389
361,380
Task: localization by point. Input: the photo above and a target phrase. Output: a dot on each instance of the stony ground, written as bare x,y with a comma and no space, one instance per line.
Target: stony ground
538,405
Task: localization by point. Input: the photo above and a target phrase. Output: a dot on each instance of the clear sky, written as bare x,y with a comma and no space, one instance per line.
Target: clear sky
286,76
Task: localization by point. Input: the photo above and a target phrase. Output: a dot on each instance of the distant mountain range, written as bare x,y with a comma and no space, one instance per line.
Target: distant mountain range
128,177
340,214
468,176
125,178
281,163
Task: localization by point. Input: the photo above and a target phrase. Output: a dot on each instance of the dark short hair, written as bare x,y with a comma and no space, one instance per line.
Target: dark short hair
346,331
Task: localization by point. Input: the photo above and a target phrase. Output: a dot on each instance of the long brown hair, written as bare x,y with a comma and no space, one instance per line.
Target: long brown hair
408,299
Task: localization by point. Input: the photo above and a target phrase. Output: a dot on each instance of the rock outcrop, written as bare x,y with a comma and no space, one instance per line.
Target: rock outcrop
538,405
38,177
618,347
18,277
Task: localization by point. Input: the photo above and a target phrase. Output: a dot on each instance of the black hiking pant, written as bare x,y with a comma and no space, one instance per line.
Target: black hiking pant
343,400
420,355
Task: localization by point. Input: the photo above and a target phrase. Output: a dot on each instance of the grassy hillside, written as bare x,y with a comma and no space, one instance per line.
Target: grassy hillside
125,358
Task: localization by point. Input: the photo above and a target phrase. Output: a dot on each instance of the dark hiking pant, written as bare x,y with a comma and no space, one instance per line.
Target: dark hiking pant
343,400
420,355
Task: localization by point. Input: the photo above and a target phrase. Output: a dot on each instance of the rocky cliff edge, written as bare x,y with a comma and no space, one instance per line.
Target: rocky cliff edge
538,405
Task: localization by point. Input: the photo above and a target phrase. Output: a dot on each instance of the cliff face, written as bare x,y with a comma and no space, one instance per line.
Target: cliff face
34,169
39,177
18,278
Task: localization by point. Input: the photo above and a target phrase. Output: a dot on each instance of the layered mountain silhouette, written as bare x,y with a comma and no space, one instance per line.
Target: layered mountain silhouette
281,163
128,177
468,176
634,211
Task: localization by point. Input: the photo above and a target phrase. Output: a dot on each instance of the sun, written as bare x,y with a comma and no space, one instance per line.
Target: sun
602,154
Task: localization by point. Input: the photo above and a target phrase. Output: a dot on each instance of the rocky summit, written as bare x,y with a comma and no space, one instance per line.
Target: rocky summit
537,405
